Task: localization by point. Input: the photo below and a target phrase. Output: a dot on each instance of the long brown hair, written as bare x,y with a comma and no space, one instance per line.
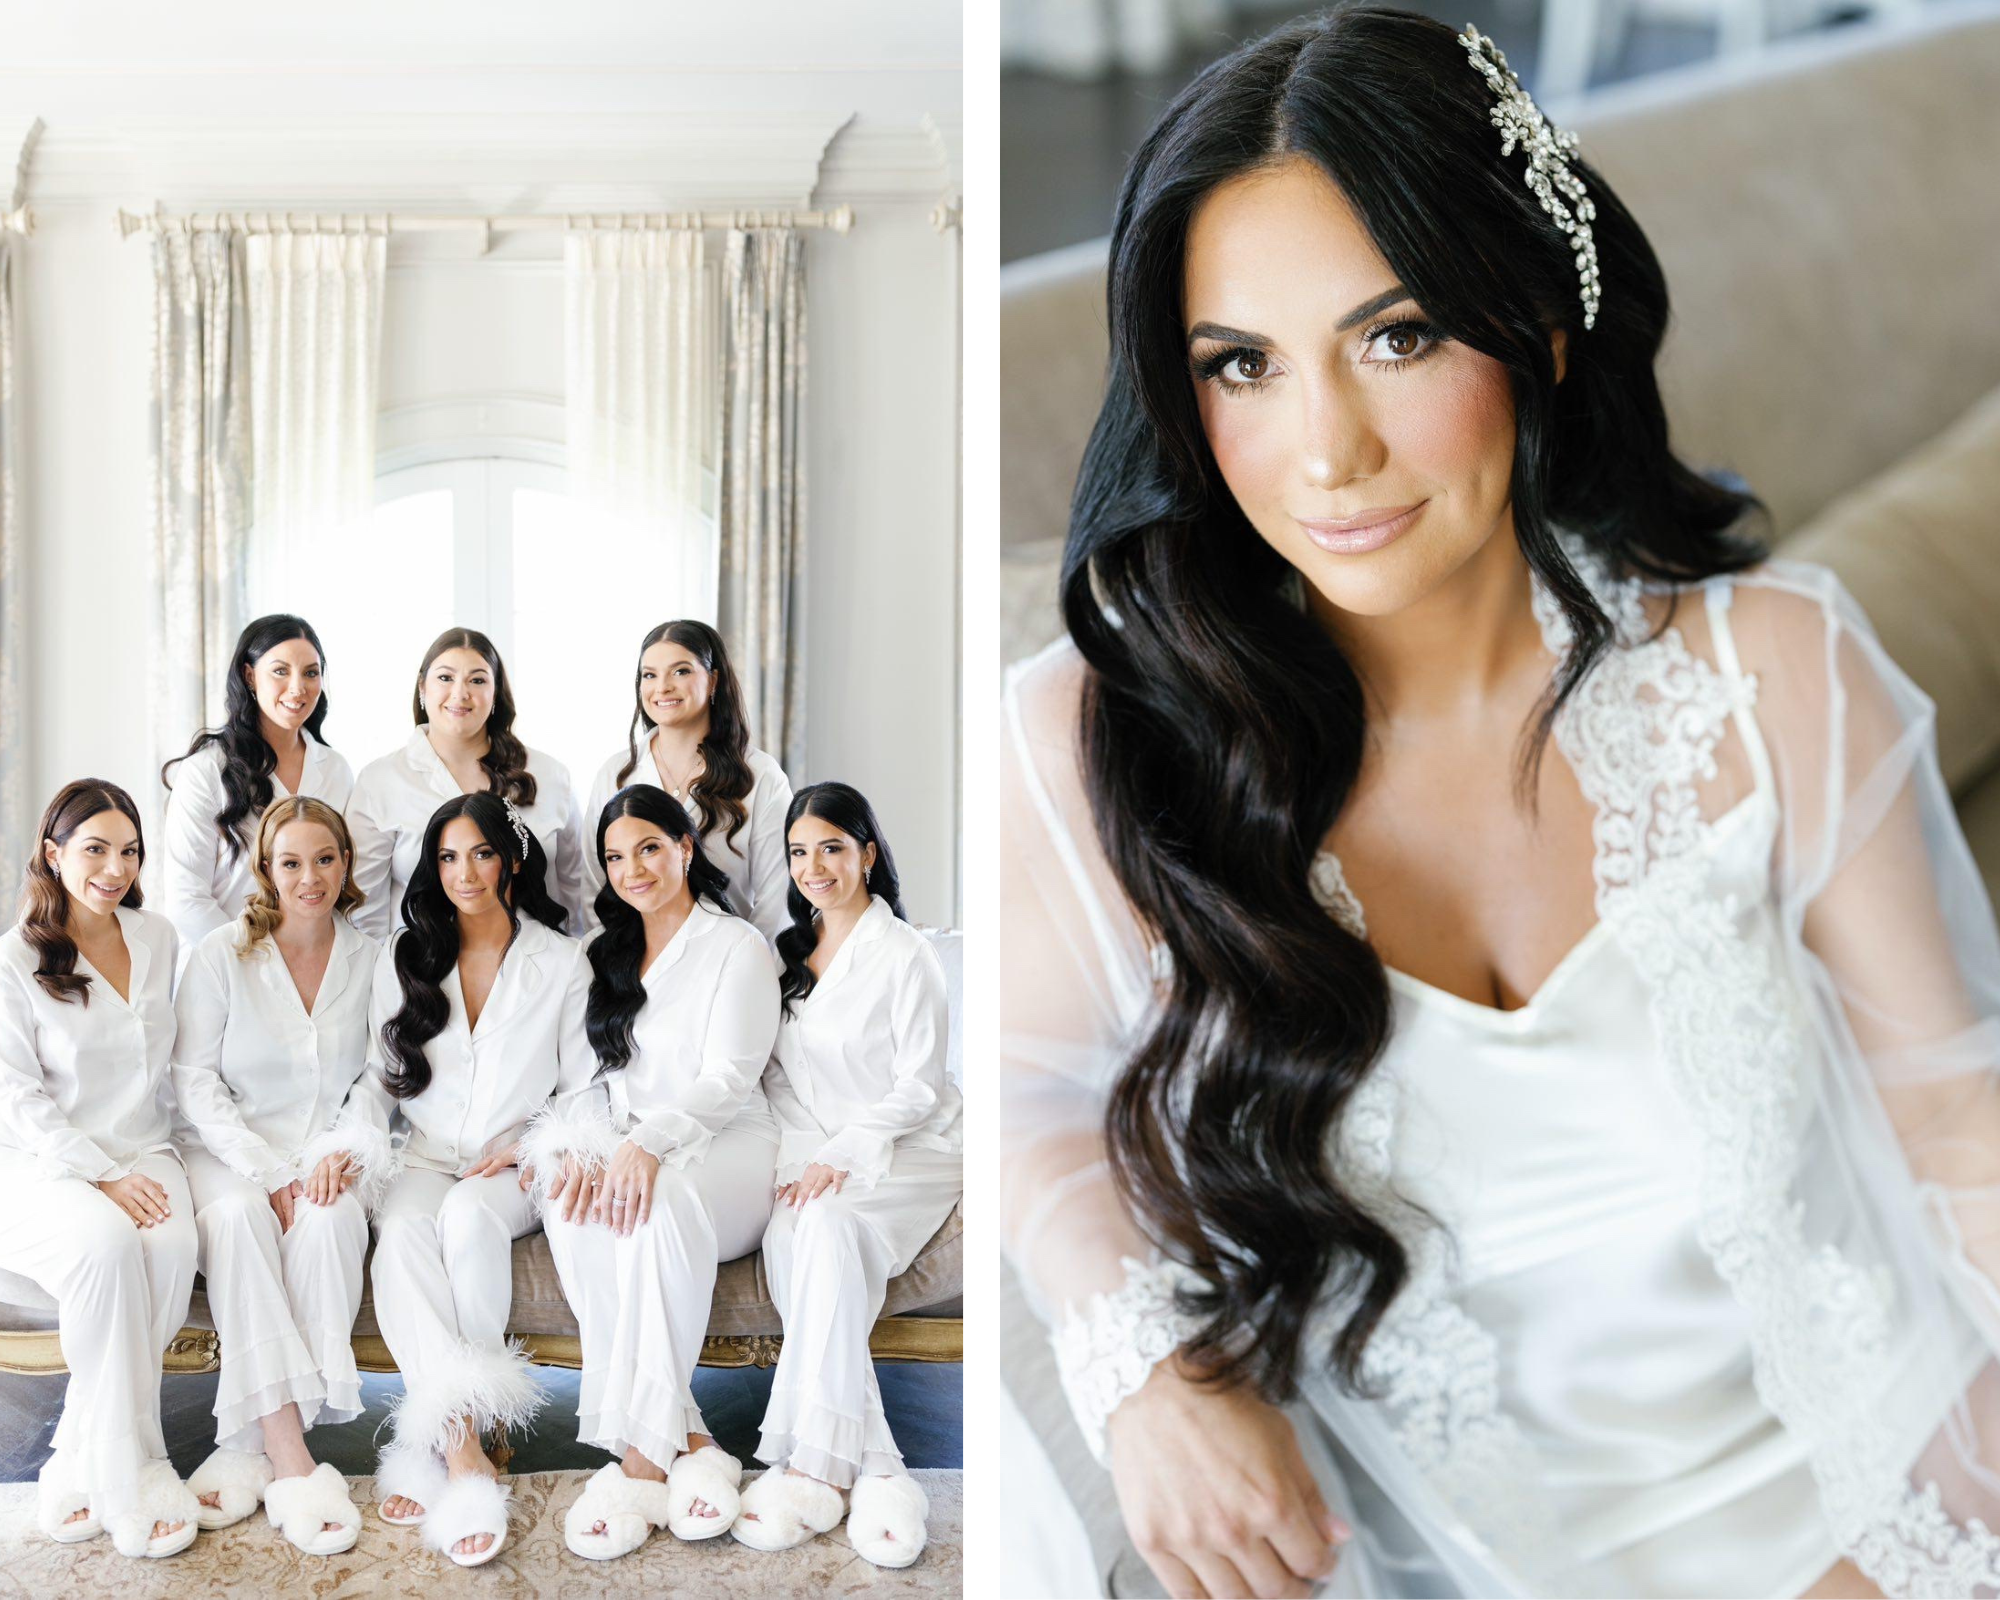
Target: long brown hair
506,758
262,914
44,900
725,780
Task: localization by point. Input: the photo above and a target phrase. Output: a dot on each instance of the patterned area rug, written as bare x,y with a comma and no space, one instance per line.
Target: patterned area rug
252,1558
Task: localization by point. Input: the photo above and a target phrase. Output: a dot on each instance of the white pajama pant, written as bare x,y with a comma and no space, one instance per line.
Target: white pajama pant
122,1293
829,1265
642,1301
444,1285
284,1303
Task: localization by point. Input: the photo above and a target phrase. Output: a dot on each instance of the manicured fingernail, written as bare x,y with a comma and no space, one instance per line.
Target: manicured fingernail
1339,1532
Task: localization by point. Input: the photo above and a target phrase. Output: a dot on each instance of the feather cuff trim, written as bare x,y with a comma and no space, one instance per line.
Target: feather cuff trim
496,1388
574,1128
365,1146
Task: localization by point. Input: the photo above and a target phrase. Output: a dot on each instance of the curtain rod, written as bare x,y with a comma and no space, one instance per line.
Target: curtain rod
838,220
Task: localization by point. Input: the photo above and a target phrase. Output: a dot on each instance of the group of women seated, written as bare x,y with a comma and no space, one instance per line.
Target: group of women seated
429,1000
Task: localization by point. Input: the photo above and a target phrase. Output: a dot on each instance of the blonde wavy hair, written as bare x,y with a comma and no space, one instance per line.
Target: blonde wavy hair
262,915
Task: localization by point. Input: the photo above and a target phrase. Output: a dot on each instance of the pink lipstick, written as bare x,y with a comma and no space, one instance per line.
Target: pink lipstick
1362,532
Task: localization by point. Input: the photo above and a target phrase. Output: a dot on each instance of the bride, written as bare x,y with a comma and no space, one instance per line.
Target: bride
1499,1015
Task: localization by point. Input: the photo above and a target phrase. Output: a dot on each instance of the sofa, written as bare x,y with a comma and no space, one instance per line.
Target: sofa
920,1319
1828,216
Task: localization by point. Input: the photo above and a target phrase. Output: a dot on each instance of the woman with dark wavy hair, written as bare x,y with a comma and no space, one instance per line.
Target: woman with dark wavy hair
96,1201
668,1171
476,1020
869,1168
1490,962
697,748
464,743
271,744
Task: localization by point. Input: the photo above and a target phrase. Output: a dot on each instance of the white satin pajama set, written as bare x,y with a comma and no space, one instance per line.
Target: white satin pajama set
84,1098
259,1080
690,1096
858,1082
443,1271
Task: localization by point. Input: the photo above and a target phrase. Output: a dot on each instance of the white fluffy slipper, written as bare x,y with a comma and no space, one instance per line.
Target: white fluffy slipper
629,1508
471,1504
712,1475
885,1519
300,1509
412,1472
57,1499
162,1498
234,1477
781,1509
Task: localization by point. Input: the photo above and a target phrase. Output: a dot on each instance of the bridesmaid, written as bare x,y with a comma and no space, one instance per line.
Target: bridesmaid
868,1170
698,749
273,1013
464,744
641,1205
269,744
96,1204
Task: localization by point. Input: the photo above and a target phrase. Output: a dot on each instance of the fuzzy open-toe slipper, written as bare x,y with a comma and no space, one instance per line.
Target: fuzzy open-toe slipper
780,1509
57,1500
471,1505
162,1498
412,1472
301,1508
236,1478
629,1508
885,1519
711,1475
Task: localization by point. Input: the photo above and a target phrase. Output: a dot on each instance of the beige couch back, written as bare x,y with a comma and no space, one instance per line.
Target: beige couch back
1830,226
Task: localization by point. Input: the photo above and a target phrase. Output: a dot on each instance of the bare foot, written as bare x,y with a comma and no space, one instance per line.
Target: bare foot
474,1544
213,1500
400,1508
77,1516
162,1529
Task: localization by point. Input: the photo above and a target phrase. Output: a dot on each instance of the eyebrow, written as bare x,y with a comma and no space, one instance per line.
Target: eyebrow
1395,294
91,838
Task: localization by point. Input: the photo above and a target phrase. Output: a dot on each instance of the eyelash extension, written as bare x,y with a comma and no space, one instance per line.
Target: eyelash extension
1426,331
1208,369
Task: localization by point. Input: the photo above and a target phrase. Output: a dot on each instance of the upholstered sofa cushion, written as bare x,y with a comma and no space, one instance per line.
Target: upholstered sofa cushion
742,1302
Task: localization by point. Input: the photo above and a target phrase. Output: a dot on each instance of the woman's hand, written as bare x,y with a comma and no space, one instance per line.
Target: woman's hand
817,1179
139,1197
330,1179
626,1198
1215,1493
489,1166
281,1202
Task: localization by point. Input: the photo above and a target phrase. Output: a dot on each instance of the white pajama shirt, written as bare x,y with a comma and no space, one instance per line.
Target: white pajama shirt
393,802
202,886
83,1099
259,1080
690,1096
858,1083
754,862
443,1273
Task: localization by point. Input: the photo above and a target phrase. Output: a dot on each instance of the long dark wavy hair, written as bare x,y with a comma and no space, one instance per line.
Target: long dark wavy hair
1222,730
616,994
506,758
725,781
427,952
844,807
44,909
247,758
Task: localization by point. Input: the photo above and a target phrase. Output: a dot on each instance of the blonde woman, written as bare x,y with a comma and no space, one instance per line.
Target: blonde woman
273,1012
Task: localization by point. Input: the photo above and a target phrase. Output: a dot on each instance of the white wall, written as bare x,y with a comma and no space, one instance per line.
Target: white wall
882,658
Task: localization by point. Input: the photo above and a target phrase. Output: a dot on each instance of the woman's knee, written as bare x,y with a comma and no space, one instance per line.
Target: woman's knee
237,1214
467,1222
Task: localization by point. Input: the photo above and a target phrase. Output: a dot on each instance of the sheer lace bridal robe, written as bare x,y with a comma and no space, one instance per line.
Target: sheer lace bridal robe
1703,1238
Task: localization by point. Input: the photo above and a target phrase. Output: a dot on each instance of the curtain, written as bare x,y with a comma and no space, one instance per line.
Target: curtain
1093,38
764,485
642,336
201,479
15,747
315,330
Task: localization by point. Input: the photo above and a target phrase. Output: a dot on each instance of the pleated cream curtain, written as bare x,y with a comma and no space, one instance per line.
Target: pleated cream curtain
265,365
642,327
763,508
16,822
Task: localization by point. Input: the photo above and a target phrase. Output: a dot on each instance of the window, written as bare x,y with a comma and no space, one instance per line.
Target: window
492,544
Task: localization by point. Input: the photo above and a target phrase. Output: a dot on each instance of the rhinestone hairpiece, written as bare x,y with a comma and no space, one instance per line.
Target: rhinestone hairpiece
1560,190
519,824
